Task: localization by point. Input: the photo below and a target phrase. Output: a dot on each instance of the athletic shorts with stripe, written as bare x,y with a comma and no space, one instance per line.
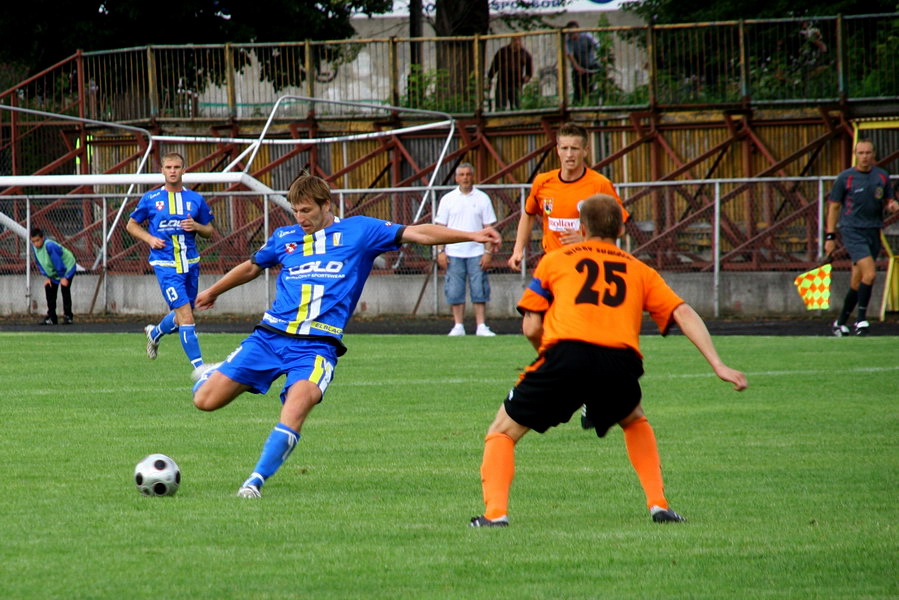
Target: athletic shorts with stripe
265,355
570,374
177,288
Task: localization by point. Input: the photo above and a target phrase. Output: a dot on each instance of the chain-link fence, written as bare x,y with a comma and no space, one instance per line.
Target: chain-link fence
773,61
714,226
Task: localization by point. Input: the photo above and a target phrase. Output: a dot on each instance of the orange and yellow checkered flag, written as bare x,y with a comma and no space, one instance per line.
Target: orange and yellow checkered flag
814,287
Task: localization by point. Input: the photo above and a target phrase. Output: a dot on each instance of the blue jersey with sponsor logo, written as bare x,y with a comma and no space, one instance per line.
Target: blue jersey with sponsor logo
323,273
164,212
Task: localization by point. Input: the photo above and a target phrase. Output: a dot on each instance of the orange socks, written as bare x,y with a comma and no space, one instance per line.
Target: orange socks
498,467
497,471
644,455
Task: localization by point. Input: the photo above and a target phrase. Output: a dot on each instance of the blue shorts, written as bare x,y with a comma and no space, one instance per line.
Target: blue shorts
861,242
178,289
460,269
264,356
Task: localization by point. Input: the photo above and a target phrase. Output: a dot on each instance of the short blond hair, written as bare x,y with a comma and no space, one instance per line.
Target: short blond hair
308,187
170,155
601,215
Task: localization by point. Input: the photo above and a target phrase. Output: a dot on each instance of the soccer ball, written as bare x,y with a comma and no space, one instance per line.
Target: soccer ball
157,475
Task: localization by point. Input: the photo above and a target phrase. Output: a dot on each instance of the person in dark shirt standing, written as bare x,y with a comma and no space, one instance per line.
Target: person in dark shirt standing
513,67
580,48
856,206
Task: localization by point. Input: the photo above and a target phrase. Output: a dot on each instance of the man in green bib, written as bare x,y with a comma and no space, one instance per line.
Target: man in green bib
57,264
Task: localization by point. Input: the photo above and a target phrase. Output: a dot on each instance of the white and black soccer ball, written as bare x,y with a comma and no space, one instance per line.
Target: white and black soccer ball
157,475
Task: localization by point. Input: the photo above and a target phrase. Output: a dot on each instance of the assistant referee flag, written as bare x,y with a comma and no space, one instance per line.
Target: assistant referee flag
814,287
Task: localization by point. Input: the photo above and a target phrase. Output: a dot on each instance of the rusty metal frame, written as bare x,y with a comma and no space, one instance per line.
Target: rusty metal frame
478,145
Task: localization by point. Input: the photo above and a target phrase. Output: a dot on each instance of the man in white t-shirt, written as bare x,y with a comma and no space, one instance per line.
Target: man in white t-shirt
467,209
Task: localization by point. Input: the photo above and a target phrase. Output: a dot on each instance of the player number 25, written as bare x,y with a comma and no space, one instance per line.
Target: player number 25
611,273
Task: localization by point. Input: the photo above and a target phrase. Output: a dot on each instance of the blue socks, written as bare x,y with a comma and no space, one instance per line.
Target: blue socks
189,341
280,443
191,344
166,326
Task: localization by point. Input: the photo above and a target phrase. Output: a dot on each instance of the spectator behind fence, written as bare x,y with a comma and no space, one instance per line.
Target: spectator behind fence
468,209
812,60
58,265
176,215
513,67
580,48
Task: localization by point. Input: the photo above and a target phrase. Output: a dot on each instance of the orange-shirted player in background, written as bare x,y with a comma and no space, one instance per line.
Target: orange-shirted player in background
583,311
555,195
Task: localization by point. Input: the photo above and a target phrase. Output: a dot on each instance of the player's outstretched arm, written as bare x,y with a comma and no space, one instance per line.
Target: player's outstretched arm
694,328
430,235
522,237
244,272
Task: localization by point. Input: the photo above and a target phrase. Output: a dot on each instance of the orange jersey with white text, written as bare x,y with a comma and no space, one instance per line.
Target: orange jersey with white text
555,202
595,292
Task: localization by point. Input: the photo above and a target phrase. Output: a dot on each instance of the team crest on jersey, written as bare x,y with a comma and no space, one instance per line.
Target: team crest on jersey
290,247
548,205
878,193
160,205
188,206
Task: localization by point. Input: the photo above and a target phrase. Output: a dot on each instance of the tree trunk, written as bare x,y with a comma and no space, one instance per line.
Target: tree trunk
457,59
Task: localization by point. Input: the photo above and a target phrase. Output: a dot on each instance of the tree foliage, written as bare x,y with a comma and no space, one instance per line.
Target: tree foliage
462,17
789,47
38,33
697,11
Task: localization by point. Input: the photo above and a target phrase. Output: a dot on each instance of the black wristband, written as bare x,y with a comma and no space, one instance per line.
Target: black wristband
829,237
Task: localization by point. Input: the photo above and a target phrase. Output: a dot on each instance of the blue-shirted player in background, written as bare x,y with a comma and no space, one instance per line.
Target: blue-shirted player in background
175,216
324,262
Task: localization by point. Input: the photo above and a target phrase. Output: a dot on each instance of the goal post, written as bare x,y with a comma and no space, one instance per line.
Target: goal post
102,199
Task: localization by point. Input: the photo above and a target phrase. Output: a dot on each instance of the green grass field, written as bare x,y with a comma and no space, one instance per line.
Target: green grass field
789,487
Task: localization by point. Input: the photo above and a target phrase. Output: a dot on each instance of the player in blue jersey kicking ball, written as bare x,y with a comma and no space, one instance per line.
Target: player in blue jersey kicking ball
324,263
175,216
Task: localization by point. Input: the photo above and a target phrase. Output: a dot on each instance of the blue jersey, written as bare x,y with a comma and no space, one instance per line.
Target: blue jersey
164,211
323,273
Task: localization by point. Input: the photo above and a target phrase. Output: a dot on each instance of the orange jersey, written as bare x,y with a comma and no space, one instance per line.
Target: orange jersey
555,202
595,292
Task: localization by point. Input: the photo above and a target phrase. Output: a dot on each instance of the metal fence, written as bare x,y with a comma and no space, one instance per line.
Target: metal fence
686,226
752,62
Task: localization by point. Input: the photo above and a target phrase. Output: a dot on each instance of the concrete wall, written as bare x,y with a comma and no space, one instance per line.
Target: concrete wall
741,295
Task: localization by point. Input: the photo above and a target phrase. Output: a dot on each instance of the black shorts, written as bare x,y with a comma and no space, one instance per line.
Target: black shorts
861,242
571,374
